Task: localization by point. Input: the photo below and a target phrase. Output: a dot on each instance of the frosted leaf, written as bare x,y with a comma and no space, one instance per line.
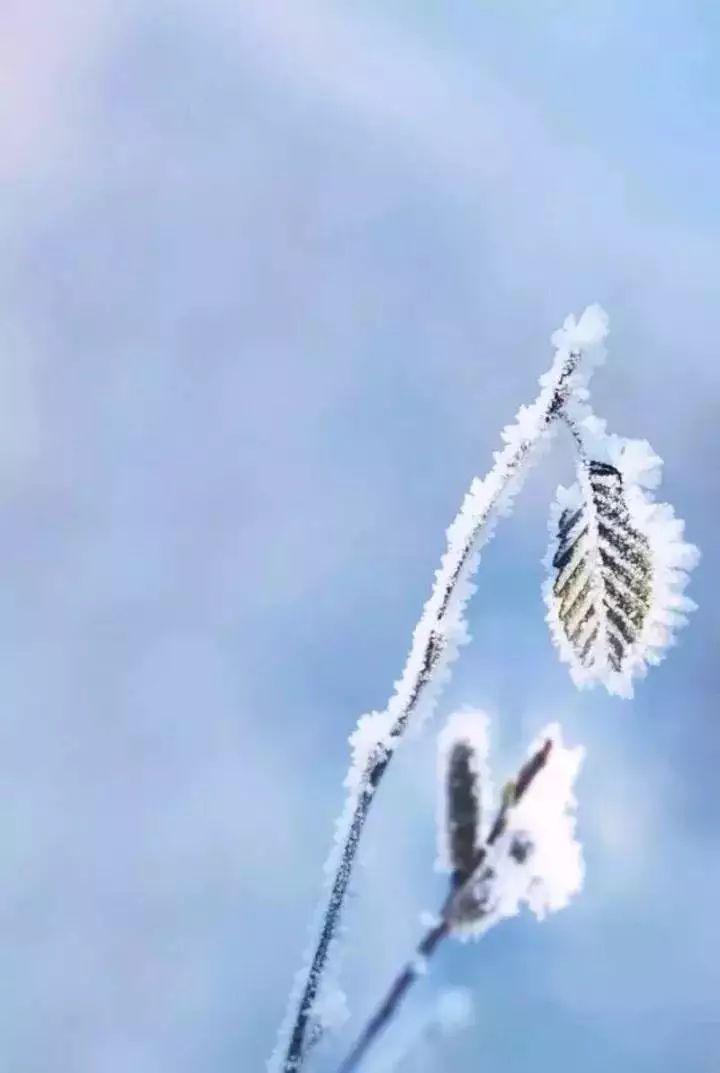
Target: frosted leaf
618,563
537,861
464,784
545,818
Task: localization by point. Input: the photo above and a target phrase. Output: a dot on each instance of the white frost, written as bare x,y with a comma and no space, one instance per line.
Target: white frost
587,335
542,824
419,965
330,1009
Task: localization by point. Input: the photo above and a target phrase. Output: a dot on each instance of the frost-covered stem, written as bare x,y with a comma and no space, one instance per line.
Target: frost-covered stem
432,939
571,425
431,651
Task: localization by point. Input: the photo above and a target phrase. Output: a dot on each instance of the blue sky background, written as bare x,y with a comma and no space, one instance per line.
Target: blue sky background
273,277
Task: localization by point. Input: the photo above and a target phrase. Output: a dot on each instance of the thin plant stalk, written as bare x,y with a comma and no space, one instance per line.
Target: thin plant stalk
416,968
430,653
396,993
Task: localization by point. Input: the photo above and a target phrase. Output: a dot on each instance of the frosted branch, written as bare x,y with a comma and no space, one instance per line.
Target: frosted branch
439,634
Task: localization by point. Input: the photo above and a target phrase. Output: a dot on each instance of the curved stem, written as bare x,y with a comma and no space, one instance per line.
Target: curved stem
431,640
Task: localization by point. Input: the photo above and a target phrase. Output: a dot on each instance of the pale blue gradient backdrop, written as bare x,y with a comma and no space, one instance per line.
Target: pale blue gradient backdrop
273,276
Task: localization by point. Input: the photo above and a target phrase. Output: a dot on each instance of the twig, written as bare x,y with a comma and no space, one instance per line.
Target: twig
456,899
401,985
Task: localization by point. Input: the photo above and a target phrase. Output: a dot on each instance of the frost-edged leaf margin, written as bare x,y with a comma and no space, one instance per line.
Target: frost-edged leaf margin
671,557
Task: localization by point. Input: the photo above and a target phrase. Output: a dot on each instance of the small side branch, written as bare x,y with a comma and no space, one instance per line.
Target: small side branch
453,910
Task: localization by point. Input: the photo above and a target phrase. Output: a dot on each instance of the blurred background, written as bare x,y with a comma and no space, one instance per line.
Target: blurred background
273,276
